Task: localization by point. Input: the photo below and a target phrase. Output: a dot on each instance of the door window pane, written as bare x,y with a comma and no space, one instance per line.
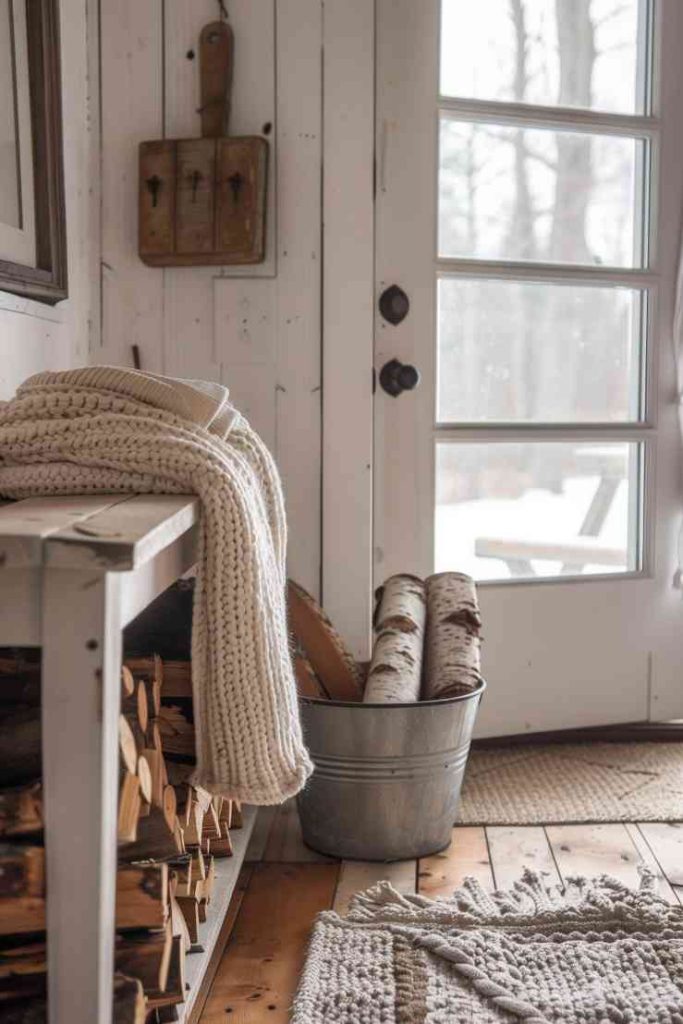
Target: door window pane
537,509
528,352
536,194
573,53
10,205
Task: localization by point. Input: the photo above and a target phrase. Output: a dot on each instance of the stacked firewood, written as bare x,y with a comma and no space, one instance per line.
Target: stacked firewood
427,639
169,833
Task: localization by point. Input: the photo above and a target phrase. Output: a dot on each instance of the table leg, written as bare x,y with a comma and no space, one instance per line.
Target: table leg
81,666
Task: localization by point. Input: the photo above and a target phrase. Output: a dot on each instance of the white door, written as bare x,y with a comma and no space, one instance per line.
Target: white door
529,194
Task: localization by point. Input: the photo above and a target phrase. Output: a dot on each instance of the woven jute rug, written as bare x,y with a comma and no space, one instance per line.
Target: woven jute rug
573,782
599,954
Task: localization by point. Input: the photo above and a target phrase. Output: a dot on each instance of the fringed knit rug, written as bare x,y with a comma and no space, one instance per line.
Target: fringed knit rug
573,782
599,954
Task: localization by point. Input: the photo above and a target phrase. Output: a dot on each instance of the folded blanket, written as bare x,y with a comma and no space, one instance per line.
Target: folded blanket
103,429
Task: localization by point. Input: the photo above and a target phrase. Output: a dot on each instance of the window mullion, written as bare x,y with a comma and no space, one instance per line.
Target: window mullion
496,432
536,271
565,118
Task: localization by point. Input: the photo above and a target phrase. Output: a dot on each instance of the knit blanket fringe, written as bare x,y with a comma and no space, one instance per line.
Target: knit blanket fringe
109,430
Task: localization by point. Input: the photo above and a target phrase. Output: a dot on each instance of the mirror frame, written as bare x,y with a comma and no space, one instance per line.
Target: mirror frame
47,281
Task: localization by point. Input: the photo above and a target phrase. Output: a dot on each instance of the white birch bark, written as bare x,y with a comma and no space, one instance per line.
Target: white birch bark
395,671
452,646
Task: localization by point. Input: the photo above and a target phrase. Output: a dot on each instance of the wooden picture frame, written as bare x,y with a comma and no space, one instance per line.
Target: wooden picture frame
46,281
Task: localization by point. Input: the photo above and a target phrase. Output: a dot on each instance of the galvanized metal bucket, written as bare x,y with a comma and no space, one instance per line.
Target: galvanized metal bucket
387,776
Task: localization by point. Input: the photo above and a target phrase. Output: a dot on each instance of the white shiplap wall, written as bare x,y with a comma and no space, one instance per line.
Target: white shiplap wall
34,336
255,329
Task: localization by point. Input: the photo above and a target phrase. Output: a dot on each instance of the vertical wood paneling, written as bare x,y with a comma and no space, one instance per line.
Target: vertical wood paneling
267,332
192,348
188,291
79,98
298,344
29,343
93,191
257,329
348,115
245,340
188,323
132,100
254,102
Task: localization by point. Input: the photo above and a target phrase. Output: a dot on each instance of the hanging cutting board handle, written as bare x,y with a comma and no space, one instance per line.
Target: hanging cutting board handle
216,50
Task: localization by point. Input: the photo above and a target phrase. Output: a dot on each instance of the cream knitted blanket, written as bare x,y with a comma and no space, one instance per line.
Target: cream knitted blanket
103,429
598,954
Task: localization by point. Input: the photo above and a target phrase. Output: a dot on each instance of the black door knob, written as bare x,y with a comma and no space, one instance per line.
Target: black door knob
394,304
396,377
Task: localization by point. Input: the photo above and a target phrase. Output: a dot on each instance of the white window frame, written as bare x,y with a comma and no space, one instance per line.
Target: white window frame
646,279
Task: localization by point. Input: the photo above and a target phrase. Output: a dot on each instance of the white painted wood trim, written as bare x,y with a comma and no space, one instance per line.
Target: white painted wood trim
348,308
227,872
29,307
81,666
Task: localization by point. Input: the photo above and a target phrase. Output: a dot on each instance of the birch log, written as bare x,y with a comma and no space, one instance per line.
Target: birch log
396,666
452,645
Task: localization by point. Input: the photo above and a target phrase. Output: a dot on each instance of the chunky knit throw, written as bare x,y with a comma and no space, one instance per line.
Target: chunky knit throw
103,429
598,954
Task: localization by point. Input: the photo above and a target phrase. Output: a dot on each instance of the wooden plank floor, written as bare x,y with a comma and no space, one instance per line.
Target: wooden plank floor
289,885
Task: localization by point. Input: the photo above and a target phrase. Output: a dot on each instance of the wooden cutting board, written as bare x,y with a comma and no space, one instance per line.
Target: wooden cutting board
202,202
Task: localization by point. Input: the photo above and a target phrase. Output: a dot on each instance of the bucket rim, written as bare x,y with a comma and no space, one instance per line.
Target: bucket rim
319,701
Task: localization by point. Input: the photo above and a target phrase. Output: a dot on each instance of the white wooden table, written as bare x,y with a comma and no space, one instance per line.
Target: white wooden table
73,573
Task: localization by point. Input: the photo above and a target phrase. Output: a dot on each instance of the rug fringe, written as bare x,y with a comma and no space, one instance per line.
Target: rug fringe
529,896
